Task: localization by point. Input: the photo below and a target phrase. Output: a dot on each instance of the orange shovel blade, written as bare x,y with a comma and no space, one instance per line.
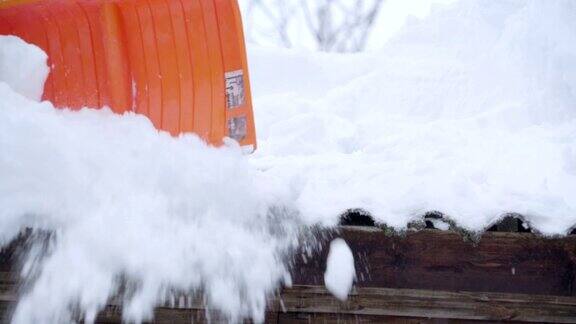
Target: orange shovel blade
182,63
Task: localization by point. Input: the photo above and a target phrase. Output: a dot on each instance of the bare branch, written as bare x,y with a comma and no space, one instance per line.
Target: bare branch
335,25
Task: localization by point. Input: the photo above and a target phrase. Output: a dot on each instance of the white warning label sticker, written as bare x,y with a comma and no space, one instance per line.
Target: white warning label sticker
234,88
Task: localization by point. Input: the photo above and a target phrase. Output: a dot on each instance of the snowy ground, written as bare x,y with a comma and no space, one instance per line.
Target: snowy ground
470,112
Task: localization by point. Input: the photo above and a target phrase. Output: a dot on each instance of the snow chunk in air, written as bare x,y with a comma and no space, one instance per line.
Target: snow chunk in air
340,272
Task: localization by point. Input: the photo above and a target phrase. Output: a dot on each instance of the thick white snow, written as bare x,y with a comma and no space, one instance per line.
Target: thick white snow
470,112
340,272
125,201
23,67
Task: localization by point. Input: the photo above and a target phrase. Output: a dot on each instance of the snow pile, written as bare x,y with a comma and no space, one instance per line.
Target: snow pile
470,112
340,272
23,67
134,208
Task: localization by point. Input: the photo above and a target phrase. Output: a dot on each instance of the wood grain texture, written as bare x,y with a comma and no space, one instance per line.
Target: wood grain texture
428,276
411,303
375,305
444,260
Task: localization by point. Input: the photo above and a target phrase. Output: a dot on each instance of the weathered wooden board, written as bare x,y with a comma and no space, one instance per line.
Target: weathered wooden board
377,305
444,260
428,276
411,303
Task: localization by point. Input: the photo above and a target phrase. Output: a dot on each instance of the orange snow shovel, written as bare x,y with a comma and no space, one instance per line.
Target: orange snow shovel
182,63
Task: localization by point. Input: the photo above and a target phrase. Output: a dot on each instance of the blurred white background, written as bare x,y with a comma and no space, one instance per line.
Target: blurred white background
329,25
